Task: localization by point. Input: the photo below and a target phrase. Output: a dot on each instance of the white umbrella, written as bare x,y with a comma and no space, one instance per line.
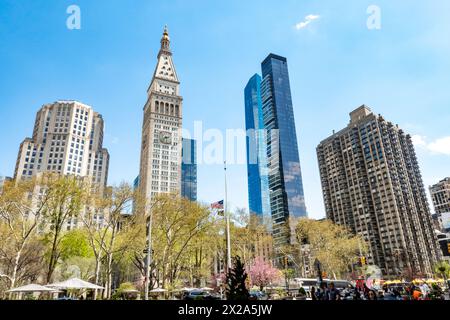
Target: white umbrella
158,290
74,283
32,288
130,291
207,289
183,289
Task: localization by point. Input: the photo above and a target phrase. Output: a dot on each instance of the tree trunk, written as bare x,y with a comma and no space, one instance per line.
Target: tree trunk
97,274
52,262
108,284
16,266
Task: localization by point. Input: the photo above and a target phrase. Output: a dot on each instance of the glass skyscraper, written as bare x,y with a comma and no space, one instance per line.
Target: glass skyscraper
285,177
189,170
258,182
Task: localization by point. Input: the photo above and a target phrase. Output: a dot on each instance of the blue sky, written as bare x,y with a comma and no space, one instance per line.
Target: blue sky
336,64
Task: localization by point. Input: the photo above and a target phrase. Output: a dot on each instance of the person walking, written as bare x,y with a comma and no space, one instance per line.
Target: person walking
416,293
372,295
313,294
425,289
321,293
333,293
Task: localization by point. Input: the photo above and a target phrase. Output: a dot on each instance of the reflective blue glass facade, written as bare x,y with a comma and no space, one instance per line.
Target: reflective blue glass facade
285,178
189,170
258,182
136,183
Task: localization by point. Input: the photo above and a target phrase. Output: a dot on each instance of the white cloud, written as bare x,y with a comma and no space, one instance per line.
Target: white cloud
441,146
308,19
419,140
438,146
111,139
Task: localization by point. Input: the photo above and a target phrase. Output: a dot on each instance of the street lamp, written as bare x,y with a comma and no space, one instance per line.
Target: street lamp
219,284
148,250
227,216
318,266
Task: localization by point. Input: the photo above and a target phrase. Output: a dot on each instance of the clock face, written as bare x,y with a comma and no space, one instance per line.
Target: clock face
165,137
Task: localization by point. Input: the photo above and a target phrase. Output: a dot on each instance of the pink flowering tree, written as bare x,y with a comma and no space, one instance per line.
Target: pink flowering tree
262,273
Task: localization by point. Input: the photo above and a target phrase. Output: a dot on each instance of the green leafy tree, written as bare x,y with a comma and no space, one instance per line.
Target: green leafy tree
77,267
288,274
177,225
247,233
333,245
21,213
110,236
442,269
64,201
237,282
75,244
123,290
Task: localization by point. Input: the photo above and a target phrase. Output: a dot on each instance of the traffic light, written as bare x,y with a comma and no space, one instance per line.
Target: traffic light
363,261
285,262
448,247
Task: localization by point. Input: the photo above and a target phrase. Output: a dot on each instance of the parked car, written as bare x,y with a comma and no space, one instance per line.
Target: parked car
257,295
200,295
67,298
306,284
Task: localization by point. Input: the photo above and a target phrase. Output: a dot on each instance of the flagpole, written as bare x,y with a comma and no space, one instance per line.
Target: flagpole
227,216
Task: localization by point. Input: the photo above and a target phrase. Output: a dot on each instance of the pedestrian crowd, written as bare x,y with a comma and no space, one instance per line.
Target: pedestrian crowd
329,292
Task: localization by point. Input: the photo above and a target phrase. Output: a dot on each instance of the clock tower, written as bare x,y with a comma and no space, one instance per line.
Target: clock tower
160,169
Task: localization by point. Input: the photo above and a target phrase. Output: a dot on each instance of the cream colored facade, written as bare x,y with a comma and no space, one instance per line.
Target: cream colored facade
160,167
67,140
372,184
440,193
3,180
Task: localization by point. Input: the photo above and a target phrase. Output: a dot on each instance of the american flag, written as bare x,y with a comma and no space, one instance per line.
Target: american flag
217,205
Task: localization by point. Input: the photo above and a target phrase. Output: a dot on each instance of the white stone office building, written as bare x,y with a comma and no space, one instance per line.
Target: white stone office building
67,140
161,150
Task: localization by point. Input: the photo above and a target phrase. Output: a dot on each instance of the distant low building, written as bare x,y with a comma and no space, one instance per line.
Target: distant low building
444,244
440,194
264,246
441,221
445,220
3,180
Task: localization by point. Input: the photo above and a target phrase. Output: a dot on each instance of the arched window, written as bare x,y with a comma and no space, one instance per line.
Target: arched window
172,110
177,110
167,108
157,106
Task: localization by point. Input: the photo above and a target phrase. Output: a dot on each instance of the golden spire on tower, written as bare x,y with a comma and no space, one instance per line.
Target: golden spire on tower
165,40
